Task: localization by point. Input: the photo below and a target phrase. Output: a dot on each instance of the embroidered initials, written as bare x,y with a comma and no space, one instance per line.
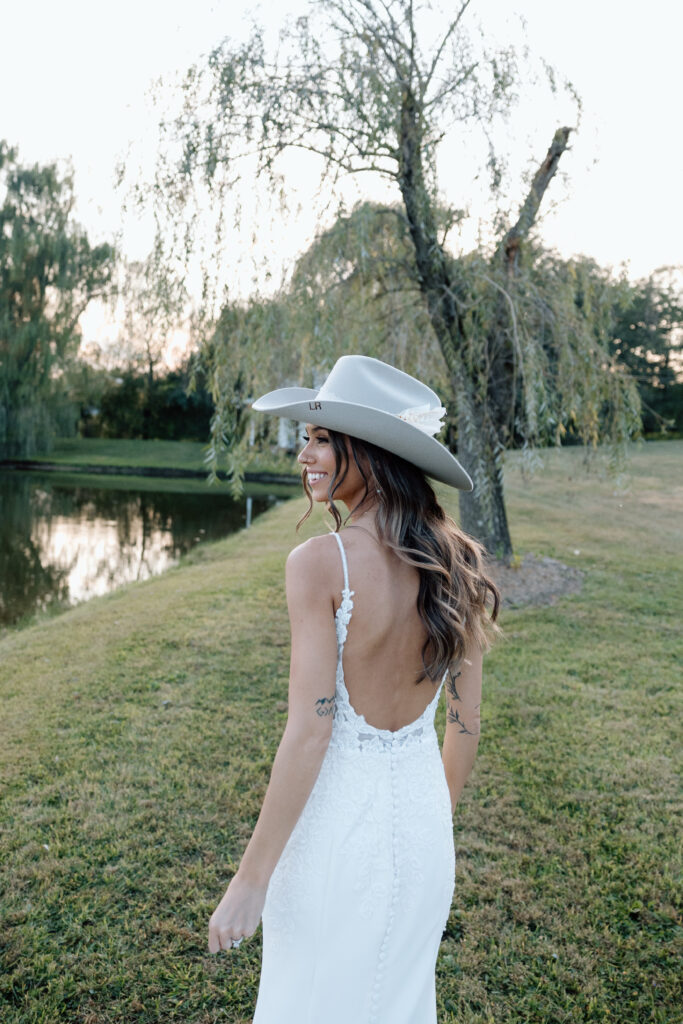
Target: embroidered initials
314,405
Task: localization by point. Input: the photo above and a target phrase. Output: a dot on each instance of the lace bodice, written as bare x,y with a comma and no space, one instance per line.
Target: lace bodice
350,728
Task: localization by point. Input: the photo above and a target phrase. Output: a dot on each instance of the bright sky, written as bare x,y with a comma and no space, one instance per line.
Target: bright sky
74,78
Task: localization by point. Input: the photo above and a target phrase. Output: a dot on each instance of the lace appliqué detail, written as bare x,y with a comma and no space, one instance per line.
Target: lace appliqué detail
351,730
343,617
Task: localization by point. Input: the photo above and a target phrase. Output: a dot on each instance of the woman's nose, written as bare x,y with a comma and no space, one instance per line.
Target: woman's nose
304,455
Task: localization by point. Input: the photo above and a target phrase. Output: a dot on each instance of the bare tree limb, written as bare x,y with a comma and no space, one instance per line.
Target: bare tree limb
511,242
439,50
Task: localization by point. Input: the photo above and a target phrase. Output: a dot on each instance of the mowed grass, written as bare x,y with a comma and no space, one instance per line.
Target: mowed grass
152,454
96,451
138,732
157,484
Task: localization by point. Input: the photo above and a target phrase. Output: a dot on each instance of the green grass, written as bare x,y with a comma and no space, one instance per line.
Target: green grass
83,451
138,731
169,485
137,454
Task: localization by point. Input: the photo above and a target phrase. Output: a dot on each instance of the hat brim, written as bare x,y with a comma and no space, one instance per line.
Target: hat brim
380,428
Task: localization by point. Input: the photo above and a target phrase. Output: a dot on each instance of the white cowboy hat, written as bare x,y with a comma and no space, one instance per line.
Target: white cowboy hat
375,402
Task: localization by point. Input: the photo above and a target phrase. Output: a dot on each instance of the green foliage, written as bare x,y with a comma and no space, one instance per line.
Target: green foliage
648,339
647,335
251,343
354,290
662,410
573,389
132,406
49,272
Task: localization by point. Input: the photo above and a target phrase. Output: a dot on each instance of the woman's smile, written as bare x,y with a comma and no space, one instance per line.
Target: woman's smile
318,453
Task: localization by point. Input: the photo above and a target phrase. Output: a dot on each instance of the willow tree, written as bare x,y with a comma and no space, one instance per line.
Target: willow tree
356,85
49,273
153,304
356,289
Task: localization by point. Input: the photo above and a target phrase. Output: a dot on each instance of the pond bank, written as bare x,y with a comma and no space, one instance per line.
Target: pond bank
160,458
96,469
65,537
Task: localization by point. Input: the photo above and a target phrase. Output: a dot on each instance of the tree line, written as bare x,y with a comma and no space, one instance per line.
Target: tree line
50,388
527,348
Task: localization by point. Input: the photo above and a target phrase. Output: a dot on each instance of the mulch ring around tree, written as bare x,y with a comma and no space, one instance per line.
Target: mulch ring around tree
535,581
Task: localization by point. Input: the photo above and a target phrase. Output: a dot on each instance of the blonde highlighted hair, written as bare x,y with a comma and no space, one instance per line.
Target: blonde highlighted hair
454,589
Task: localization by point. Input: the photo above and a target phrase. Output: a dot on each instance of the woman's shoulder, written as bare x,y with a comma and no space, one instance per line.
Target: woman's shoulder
314,556
312,571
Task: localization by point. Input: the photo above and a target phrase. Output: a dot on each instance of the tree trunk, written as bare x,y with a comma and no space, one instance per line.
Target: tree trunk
482,431
482,510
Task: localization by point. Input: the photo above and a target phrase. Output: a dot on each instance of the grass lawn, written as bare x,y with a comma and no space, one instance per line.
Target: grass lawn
95,451
80,451
169,485
138,731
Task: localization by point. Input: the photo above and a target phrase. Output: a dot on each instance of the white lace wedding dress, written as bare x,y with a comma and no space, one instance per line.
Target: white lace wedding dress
359,899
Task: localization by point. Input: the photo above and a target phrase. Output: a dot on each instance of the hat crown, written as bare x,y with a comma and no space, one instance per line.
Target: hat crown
362,380
375,402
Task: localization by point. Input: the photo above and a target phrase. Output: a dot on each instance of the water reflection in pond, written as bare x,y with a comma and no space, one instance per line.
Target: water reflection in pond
64,541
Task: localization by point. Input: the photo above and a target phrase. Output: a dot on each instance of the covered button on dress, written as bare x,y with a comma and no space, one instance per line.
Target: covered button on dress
359,899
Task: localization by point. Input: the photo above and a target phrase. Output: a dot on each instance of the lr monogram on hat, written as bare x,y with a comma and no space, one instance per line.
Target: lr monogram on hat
375,402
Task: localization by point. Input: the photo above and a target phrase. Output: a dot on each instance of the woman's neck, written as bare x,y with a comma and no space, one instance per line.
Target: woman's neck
366,520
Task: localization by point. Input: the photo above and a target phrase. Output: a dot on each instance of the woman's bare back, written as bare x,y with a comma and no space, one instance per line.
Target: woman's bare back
382,655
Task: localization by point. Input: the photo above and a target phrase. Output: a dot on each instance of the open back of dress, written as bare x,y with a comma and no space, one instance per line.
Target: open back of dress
357,904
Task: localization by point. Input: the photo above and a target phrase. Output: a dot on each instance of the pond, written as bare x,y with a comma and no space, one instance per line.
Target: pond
65,539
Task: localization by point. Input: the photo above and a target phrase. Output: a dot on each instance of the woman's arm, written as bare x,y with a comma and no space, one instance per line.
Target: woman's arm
303,744
463,701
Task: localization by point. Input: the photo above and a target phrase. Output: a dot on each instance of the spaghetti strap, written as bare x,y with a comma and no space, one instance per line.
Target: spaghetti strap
343,558
345,609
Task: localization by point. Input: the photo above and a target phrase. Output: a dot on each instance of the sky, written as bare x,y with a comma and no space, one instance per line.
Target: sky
75,80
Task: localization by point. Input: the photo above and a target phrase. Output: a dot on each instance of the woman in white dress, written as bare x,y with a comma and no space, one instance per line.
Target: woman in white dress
351,864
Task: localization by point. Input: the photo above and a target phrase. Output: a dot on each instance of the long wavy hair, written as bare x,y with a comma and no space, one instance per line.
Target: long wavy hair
454,588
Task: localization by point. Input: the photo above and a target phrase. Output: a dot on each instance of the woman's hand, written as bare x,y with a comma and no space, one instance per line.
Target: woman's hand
237,915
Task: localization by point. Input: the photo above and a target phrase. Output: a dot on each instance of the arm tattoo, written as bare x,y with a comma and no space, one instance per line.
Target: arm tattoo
453,718
325,706
453,714
450,685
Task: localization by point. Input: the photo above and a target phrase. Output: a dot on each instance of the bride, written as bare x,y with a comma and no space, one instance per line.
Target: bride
351,864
